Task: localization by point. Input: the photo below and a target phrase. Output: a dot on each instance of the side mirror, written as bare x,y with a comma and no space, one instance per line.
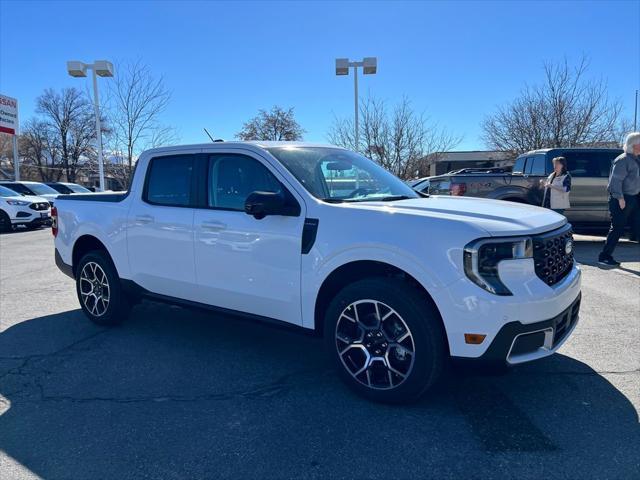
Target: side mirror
261,204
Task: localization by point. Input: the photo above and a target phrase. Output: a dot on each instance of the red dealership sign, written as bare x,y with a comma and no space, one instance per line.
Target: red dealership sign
8,115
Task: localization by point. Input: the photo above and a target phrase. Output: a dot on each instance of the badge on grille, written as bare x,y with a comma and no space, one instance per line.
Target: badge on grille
568,246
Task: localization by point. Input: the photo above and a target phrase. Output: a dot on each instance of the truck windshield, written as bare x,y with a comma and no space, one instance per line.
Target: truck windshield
337,175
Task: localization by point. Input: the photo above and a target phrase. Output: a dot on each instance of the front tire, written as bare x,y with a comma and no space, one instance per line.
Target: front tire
385,339
99,290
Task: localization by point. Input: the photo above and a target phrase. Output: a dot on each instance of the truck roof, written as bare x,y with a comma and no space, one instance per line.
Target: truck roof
253,144
564,149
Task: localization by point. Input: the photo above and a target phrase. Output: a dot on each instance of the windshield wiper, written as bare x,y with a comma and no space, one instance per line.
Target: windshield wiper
393,198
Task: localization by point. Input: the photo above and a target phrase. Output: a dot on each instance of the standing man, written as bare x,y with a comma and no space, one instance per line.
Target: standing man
624,186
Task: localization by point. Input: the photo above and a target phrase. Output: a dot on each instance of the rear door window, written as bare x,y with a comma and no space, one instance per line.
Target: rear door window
169,181
589,164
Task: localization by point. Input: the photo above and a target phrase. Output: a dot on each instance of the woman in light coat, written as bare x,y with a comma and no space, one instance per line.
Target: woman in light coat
557,187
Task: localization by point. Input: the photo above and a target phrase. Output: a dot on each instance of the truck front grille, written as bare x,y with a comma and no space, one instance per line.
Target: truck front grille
553,254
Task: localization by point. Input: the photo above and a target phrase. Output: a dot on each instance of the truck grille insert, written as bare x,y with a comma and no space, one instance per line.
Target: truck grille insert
553,254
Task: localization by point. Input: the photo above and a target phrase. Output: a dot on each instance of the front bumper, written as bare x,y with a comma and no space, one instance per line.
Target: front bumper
518,343
31,219
467,309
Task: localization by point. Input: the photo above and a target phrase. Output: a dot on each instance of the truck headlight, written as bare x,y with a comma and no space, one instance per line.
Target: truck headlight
481,259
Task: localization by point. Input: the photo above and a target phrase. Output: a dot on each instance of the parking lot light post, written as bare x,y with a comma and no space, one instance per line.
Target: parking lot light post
100,68
369,67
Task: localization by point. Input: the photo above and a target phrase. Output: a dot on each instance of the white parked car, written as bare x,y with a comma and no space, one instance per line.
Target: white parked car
324,239
33,189
16,209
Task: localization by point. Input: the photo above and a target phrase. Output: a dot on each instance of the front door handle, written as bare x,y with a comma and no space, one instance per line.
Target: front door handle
143,219
213,226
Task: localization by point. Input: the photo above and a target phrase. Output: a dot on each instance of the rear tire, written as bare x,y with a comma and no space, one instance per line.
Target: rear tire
99,289
5,222
516,200
386,339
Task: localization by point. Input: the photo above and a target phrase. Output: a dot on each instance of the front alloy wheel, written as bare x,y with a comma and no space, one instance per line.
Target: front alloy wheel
386,339
375,344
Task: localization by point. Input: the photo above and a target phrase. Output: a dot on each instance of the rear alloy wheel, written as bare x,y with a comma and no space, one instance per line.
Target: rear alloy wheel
99,290
386,339
94,289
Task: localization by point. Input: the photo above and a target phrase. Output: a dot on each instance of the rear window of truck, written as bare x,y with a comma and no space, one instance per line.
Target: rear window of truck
590,164
169,181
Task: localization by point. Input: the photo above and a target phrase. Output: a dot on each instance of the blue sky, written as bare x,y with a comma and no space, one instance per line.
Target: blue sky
456,61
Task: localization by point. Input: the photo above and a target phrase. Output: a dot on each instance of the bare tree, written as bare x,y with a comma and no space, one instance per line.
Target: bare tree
277,124
402,141
39,152
6,155
567,109
67,119
137,100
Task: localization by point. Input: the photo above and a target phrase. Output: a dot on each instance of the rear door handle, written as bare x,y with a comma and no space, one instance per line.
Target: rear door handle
142,219
213,226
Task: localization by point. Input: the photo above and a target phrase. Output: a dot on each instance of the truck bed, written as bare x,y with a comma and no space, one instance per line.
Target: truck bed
111,197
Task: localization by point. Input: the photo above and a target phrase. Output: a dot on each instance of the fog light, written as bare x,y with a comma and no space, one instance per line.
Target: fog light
474,338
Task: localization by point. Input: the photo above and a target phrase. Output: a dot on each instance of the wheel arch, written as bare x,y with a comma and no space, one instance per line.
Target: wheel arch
86,243
516,200
354,271
510,194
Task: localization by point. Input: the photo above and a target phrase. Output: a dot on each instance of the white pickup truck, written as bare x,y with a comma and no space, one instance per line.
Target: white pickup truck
324,239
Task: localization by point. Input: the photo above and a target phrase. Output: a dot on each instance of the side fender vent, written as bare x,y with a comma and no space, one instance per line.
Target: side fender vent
309,232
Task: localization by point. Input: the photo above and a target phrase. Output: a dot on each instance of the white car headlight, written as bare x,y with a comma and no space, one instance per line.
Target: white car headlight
481,258
20,203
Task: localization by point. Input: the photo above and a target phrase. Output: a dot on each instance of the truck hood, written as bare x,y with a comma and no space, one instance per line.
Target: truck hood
496,217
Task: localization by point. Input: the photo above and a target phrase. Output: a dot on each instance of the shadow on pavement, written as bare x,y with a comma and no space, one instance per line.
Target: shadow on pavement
21,229
587,251
179,394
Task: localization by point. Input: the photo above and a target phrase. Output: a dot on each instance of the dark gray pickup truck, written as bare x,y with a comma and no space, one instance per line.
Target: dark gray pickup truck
589,168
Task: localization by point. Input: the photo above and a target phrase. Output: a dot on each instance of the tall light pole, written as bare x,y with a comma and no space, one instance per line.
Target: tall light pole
99,68
635,115
369,67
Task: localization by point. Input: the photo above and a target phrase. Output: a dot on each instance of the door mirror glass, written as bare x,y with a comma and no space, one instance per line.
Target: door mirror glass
261,204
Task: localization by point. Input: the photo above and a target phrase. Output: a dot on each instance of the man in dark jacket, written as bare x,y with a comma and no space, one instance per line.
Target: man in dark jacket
624,187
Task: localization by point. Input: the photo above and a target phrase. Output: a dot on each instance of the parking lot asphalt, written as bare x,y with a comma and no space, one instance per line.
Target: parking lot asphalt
175,393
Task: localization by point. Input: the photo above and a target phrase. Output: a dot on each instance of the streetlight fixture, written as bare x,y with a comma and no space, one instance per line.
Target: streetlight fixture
99,68
369,67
